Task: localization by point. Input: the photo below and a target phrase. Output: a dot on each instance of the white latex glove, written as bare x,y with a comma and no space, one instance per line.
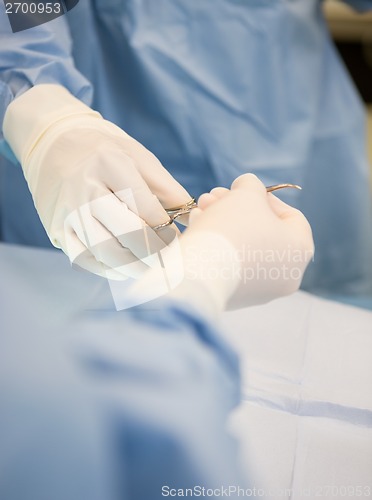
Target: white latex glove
98,191
243,247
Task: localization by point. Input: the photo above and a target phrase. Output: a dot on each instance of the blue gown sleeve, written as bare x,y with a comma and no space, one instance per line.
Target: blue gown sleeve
37,55
129,405
187,384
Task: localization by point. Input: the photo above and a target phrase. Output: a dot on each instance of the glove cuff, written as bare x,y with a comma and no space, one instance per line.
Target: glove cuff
30,115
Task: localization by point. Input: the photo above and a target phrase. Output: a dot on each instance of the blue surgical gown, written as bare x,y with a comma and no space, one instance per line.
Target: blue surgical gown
214,89
102,405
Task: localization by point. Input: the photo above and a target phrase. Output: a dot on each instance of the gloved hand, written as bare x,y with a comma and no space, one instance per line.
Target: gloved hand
98,191
243,247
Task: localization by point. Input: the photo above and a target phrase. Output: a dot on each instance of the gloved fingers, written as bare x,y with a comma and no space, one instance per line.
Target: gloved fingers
82,259
252,192
205,200
131,232
121,216
282,209
292,216
219,192
130,188
86,262
249,182
194,215
296,222
214,195
259,199
83,232
169,192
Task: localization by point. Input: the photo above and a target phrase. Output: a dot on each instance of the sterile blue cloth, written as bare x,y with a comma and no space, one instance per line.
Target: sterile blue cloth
102,405
305,421
214,89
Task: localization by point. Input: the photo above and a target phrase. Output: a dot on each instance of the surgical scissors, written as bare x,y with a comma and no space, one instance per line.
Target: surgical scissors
185,209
